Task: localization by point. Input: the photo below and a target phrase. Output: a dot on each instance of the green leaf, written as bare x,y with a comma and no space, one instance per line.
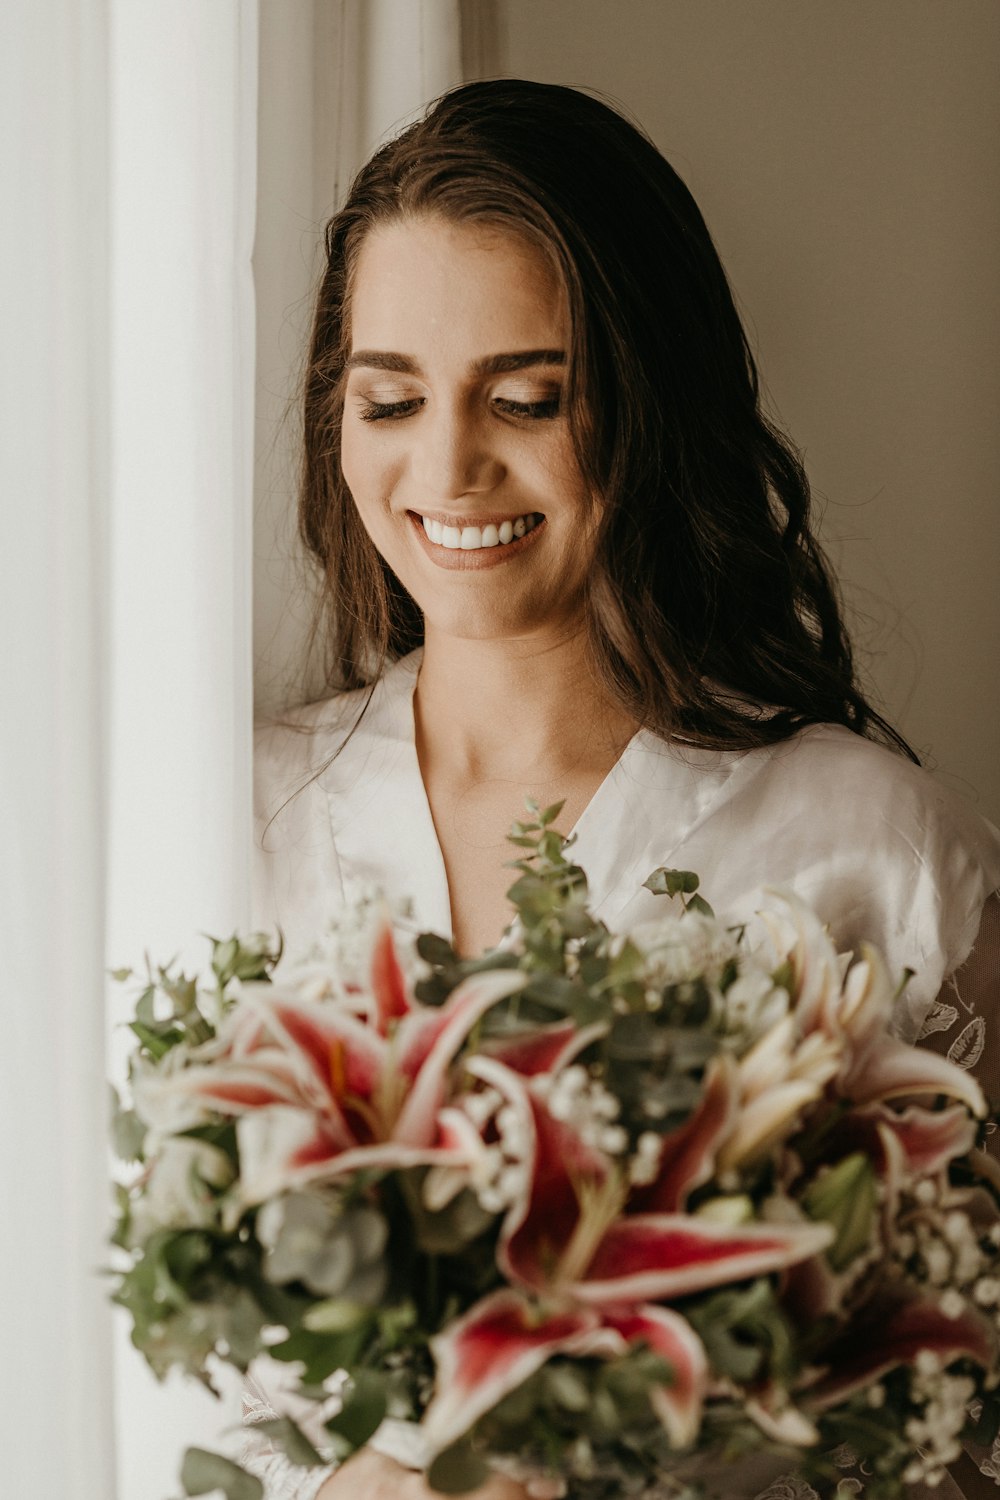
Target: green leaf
698,903
202,1472
335,1315
845,1196
144,1008
156,1042
292,1441
128,1134
665,882
457,1470
120,975
363,1409
550,814
434,949
322,1353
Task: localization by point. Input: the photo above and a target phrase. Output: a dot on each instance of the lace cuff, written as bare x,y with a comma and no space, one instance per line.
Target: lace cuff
268,1393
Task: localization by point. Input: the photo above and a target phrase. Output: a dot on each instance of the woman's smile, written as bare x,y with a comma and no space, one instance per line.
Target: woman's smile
464,542
456,443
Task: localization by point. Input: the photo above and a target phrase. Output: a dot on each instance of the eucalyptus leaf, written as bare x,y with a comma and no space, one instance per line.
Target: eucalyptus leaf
335,1315
144,1007
322,1353
666,882
292,1441
698,903
363,1410
202,1472
457,1470
434,949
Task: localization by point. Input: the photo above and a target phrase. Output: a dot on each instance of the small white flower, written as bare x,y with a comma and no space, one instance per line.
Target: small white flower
952,1303
987,1291
613,1139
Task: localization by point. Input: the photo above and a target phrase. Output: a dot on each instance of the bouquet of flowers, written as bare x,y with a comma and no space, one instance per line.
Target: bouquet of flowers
608,1213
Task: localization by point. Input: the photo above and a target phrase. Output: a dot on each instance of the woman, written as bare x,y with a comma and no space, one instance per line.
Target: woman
565,555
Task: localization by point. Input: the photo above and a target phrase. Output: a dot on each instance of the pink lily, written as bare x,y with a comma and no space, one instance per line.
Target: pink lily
581,1245
894,1332
318,1092
854,1009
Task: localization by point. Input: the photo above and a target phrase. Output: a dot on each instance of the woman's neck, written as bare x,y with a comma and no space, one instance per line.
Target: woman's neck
506,708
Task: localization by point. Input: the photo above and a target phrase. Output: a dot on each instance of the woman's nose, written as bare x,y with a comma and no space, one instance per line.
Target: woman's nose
454,454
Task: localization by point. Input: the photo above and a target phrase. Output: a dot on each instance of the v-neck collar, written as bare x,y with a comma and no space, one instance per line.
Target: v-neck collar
648,804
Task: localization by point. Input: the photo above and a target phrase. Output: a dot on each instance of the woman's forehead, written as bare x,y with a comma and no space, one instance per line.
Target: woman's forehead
434,281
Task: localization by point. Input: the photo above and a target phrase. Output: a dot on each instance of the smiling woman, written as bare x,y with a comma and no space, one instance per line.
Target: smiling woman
458,454
566,555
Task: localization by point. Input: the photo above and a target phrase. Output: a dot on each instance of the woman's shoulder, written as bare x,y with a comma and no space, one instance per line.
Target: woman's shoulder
863,785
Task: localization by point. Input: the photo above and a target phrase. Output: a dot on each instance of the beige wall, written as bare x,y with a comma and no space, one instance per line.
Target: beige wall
845,154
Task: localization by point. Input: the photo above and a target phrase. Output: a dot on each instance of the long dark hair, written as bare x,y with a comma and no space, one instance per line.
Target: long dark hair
712,615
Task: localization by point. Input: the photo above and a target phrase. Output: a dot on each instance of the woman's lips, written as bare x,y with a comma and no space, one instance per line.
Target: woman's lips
482,557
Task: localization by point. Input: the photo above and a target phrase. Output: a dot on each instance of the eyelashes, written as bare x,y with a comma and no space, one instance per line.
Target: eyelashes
394,411
386,411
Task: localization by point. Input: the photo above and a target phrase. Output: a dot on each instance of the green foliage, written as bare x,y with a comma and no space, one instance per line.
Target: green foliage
846,1196
292,1441
363,1410
683,883
171,1011
128,1133
202,1472
457,1470
745,1333
191,1294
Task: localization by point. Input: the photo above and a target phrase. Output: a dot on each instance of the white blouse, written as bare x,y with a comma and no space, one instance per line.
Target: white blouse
881,850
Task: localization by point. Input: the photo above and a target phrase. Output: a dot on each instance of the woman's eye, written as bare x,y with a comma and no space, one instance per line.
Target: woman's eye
381,411
534,410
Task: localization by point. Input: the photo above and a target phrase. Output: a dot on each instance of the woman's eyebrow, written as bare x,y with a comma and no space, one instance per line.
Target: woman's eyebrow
503,364
490,364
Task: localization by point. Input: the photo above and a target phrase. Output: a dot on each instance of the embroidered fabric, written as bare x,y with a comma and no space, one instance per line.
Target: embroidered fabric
880,850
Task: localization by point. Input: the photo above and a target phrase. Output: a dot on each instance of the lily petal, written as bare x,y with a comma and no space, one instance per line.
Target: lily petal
427,1048
546,1049
652,1256
346,1056
687,1155
767,1119
282,1148
388,984
229,1088
559,1164
895,1334
927,1139
888,1068
678,1405
494,1348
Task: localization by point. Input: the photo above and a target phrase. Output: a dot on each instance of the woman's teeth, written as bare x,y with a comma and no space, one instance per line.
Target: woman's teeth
471,538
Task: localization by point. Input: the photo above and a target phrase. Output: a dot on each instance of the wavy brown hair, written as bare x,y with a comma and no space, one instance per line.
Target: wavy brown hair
712,615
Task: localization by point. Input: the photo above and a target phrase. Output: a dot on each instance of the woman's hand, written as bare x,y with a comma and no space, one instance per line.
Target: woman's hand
372,1476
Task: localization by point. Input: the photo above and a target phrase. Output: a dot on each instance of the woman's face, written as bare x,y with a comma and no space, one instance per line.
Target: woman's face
456,444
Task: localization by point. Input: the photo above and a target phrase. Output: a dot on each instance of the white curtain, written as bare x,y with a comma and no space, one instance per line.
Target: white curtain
55,1409
183,195
128,147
